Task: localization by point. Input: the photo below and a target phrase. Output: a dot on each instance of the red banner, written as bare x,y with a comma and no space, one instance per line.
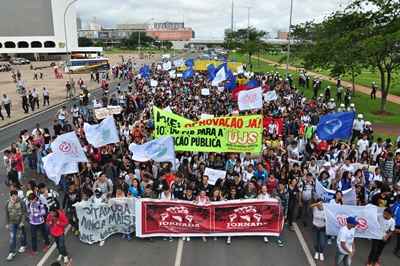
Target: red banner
278,121
226,218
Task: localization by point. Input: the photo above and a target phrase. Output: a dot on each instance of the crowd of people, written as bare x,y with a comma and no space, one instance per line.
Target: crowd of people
292,160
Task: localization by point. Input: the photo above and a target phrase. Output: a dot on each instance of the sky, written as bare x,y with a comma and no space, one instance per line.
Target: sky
208,18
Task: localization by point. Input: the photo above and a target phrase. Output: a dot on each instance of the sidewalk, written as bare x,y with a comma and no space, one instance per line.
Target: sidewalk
391,98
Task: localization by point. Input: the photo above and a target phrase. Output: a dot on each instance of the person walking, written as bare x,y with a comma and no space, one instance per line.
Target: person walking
37,215
35,98
1,114
57,221
25,105
319,229
46,97
345,243
15,221
387,225
373,91
6,102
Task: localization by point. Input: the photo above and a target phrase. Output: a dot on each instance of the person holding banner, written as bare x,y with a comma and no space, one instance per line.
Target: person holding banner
345,243
387,224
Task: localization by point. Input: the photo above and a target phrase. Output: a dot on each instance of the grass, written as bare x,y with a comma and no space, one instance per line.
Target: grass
362,101
365,78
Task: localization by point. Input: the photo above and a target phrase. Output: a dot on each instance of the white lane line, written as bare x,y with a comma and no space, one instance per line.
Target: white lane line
179,251
304,245
51,249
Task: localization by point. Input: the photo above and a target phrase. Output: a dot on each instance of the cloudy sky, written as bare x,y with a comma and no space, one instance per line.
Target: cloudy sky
208,18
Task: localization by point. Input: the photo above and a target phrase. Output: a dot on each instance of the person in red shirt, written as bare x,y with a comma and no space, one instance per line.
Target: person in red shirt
17,159
57,221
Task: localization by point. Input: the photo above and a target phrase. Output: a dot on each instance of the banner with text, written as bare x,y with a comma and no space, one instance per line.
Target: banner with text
98,221
227,218
218,134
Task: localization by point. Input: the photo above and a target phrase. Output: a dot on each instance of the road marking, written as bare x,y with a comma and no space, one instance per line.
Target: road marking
179,251
51,250
304,245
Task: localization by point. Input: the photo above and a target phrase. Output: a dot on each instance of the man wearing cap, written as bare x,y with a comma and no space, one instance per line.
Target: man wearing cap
345,242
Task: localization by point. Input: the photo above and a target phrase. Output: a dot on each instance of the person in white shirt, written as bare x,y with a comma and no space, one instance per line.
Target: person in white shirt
387,225
319,228
61,116
358,126
345,242
363,144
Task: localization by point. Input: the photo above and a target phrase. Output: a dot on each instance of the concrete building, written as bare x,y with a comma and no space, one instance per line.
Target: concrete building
282,35
37,27
170,31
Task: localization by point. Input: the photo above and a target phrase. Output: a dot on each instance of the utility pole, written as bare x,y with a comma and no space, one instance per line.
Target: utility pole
232,10
289,37
248,34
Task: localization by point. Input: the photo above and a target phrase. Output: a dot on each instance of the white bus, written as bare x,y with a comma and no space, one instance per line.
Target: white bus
87,65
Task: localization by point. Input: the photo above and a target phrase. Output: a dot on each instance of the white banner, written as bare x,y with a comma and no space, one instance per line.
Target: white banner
159,150
102,113
102,134
270,96
68,148
54,167
250,99
366,216
214,175
167,66
349,195
206,116
205,92
98,221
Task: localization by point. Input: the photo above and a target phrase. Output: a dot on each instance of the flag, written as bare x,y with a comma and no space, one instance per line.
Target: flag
102,134
240,69
335,126
270,96
188,73
189,63
159,150
167,66
211,71
144,71
54,167
231,81
220,75
250,99
349,195
251,84
179,62
68,148
235,92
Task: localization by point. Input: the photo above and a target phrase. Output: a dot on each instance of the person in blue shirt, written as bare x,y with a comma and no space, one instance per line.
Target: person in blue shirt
134,189
396,215
261,174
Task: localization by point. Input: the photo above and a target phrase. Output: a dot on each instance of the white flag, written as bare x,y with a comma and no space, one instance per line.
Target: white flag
54,167
159,150
366,216
349,195
270,96
179,62
68,148
240,69
219,77
102,134
167,66
250,99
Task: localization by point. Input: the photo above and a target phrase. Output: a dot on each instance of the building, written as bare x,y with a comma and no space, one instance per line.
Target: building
37,27
282,35
170,31
78,23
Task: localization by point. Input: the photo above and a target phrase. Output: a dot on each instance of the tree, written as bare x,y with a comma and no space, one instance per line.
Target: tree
247,41
85,42
133,41
356,38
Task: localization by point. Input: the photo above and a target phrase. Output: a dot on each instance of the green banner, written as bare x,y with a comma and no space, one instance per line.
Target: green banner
219,134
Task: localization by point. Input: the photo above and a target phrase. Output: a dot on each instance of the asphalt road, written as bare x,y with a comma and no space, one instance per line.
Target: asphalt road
143,252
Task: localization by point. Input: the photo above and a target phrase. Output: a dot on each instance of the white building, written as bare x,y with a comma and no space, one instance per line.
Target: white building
37,27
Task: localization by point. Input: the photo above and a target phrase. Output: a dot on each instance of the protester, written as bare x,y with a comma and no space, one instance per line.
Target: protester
345,242
57,221
319,228
37,216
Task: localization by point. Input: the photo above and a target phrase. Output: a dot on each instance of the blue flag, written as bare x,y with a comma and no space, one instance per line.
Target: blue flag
230,81
189,63
335,126
188,73
144,71
251,84
211,72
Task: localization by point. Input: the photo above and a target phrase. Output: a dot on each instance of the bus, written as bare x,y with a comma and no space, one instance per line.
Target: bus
87,65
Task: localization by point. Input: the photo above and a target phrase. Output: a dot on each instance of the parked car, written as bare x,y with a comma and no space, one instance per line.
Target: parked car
19,61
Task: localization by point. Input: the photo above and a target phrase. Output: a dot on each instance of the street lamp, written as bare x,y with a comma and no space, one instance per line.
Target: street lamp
65,29
289,36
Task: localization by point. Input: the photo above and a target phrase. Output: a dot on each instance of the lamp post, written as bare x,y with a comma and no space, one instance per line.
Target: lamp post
289,36
65,29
